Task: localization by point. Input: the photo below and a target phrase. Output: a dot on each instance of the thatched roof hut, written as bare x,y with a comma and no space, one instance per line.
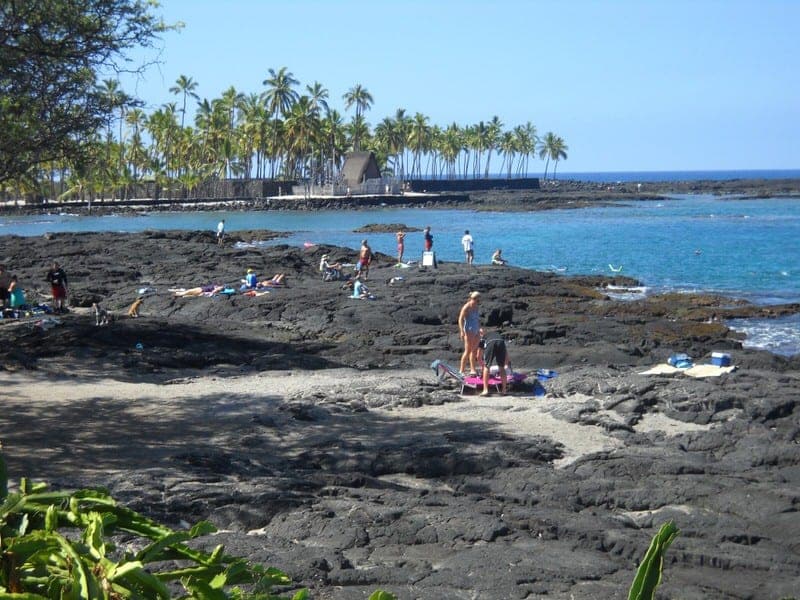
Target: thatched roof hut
358,167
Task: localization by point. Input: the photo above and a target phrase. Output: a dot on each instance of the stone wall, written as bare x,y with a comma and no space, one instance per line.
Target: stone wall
472,185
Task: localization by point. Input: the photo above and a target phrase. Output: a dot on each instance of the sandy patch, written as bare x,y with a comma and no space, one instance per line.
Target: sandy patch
526,416
515,415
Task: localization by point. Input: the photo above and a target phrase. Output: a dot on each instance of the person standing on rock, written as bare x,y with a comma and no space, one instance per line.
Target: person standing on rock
469,327
58,286
468,244
428,239
401,245
364,260
220,232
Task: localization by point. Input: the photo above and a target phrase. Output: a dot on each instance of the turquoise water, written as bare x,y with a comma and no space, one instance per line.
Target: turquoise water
741,248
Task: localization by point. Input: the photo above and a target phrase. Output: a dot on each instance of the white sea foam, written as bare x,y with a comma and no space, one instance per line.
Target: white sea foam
625,293
779,336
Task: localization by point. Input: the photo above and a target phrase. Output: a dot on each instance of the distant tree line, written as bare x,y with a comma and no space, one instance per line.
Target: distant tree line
66,132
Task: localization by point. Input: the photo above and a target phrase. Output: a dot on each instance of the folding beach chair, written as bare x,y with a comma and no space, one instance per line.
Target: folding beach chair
443,371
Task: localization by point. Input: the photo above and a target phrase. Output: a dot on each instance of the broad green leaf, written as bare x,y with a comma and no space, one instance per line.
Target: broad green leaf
93,535
23,525
648,576
381,595
202,528
301,595
51,519
216,554
144,581
153,552
12,504
218,581
78,571
201,590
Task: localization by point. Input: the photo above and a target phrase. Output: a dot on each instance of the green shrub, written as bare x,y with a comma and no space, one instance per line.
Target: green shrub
56,544
648,576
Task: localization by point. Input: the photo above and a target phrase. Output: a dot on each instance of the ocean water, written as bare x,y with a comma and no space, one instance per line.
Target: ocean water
635,176
736,247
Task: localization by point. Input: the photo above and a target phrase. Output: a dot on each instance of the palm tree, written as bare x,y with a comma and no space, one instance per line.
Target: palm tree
480,140
279,97
319,104
507,149
301,128
545,145
333,131
362,99
358,130
384,144
494,129
451,147
553,148
559,152
186,86
319,97
402,127
419,140
526,145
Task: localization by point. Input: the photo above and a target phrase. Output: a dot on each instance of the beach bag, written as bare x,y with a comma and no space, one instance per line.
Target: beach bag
680,360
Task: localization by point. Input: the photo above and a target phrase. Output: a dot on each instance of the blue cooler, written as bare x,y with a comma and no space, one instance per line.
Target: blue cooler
721,359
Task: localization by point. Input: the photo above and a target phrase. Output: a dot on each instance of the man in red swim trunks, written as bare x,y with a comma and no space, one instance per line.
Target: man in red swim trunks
58,285
364,260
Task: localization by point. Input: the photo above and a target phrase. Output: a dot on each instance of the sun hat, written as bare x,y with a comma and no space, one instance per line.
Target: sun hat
324,256
473,295
250,271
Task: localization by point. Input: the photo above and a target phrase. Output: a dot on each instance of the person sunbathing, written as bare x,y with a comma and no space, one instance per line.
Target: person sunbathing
206,290
277,280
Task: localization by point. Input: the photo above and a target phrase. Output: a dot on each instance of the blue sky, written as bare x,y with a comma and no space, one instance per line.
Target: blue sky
630,86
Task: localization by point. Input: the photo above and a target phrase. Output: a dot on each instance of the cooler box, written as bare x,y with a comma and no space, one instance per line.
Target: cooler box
721,359
428,259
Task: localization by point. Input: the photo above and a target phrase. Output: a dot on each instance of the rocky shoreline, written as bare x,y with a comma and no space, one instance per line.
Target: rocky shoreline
308,427
558,194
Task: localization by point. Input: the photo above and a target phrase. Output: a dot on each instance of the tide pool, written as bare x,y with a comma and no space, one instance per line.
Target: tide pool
736,247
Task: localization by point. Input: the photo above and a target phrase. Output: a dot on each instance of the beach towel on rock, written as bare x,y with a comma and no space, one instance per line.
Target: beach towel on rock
698,371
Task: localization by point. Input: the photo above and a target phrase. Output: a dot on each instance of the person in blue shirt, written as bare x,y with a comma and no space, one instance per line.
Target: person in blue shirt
359,289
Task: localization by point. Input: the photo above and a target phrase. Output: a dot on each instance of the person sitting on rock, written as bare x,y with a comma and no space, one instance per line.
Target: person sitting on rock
250,280
497,258
359,289
330,272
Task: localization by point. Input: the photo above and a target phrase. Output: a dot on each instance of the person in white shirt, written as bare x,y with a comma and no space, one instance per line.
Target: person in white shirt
220,231
467,242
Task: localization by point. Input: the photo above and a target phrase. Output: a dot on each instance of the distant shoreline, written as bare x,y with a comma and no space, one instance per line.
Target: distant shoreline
558,194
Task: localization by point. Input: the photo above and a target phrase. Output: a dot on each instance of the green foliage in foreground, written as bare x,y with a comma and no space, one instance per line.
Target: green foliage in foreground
649,574
56,544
